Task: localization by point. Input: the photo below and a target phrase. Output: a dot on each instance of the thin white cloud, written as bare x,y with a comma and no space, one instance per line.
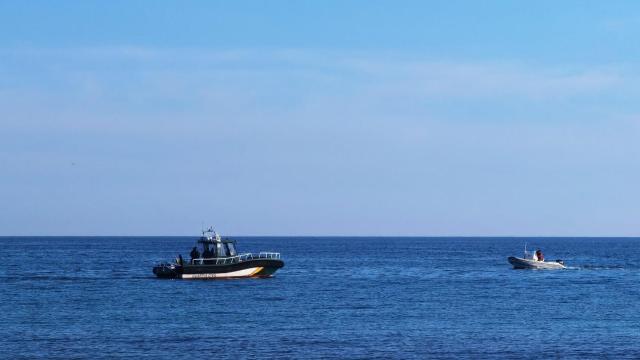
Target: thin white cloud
382,73
345,125
112,85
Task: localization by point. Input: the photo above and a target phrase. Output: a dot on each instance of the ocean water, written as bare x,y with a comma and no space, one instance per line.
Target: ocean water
361,298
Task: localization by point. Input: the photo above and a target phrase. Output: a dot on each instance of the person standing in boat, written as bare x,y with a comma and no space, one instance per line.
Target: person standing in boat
207,253
539,255
194,253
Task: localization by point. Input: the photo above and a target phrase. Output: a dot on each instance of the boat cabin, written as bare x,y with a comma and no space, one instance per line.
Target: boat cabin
212,245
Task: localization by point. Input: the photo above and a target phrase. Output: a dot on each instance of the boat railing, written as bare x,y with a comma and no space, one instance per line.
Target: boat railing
269,255
236,259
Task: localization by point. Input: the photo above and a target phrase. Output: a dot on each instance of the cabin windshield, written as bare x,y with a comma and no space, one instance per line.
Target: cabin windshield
221,251
232,249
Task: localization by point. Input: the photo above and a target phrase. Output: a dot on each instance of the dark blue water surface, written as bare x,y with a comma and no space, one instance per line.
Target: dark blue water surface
335,298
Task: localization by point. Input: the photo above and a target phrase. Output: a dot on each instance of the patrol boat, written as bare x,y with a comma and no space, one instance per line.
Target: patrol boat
220,260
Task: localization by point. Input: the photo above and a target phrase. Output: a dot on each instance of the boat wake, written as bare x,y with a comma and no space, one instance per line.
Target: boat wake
605,267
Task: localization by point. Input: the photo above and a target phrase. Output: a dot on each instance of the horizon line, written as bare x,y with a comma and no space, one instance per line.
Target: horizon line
341,236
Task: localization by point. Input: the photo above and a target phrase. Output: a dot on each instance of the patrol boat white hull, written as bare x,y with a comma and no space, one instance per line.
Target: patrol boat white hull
520,263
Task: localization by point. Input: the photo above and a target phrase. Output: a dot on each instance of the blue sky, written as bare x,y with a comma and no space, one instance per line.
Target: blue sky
320,118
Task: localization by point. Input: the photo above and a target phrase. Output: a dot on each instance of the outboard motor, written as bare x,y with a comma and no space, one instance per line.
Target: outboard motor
165,270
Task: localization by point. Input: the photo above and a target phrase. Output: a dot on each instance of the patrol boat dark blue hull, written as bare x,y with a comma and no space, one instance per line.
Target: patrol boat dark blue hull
253,268
220,260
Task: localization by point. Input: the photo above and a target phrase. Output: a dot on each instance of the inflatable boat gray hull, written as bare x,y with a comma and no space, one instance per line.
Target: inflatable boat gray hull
520,263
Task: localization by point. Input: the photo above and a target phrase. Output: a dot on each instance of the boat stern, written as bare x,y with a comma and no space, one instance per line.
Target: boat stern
167,271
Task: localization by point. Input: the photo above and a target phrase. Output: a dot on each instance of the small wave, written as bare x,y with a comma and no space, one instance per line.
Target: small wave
572,268
273,298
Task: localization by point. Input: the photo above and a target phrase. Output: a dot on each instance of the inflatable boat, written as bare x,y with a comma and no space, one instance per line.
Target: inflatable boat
520,263
534,260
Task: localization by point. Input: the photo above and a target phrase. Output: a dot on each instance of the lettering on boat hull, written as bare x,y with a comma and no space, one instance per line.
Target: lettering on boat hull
250,272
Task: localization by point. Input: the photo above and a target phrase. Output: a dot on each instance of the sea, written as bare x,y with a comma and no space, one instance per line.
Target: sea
336,298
